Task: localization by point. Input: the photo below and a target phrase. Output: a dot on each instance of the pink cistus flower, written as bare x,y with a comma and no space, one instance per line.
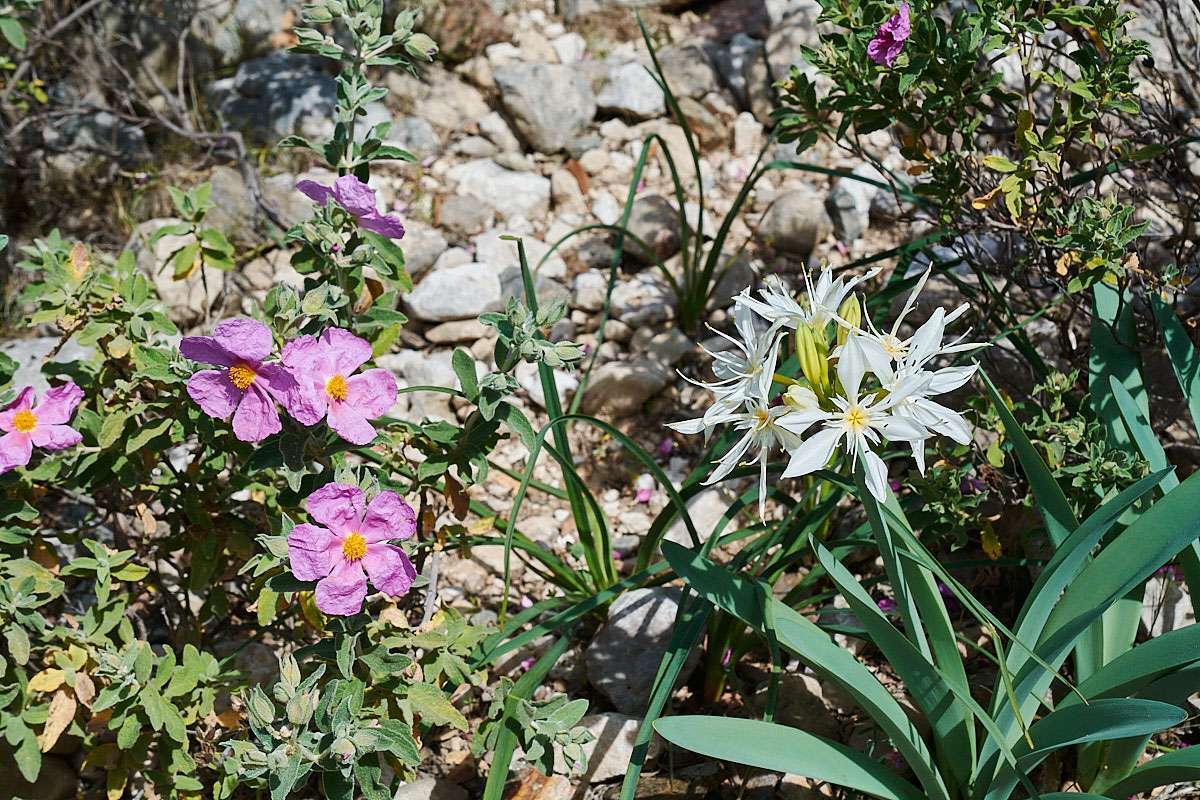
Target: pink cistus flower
328,388
244,386
26,424
359,199
352,546
889,40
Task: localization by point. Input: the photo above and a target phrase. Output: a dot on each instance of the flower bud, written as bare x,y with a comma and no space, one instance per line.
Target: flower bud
421,46
800,398
300,709
851,311
342,750
813,363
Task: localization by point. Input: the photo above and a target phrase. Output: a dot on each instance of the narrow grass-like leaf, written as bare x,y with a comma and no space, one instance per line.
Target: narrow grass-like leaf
1181,766
747,600
779,748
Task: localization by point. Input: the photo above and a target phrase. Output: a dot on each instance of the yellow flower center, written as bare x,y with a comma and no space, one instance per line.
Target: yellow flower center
762,418
894,347
24,421
857,418
354,547
242,375
335,387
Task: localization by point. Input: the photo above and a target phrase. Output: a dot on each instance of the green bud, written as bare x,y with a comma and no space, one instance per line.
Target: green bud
261,709
421,46
342,750
300,709
813,363
851,311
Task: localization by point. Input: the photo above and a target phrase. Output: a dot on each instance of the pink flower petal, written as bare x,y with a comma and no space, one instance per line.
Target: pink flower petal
373,392
23,402
278,382
314,191
58,404
337,506
15,450
256,417
55,437
299,351
388,517
387,225
206,350
312,551
245,338
347,352
355,196
213,392
349,423
390,570
342,593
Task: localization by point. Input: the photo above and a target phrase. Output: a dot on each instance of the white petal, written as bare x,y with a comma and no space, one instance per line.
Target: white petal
928,338
727,462
918,451
876,475
813,453
851,367
688,426
899,429
950,378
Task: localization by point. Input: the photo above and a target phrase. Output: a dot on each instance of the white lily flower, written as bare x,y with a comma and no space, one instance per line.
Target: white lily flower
818,307
861,422
882,349
743,373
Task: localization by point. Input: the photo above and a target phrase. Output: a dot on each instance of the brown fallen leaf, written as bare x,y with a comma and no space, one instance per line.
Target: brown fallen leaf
85,689
58,719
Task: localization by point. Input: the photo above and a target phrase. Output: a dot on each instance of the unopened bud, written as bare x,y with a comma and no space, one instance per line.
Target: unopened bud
813,362
342,750
851,313
421,46
800,398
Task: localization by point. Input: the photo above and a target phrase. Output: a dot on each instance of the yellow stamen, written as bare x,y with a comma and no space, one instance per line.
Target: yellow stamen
762,418
335,387
24,421
354,547
894,347
857,418
242,375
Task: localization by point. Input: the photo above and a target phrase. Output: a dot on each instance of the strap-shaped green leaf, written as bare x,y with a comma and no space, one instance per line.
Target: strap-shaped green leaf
779,748
747,600
1181,766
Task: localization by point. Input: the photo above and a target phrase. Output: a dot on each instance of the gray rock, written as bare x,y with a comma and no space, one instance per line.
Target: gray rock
461,330
1166,606
631,92
456,293
623,658
496,129
236,31
665,348
30,355
492,249
795,223
654,221
849,204
547,289
508,191
609,754
415,135
465,216
474,147
277,95
620,388
689,70
422,245
801,704
705,510
525,90
76,139
644,300
421,368
590,289
741,66
237,214
430,789
530,380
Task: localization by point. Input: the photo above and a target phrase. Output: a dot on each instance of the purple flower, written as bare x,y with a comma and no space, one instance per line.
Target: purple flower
44,424
357,198
886,604
643,495
352,546
665,447
890,38
244,386
328,389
